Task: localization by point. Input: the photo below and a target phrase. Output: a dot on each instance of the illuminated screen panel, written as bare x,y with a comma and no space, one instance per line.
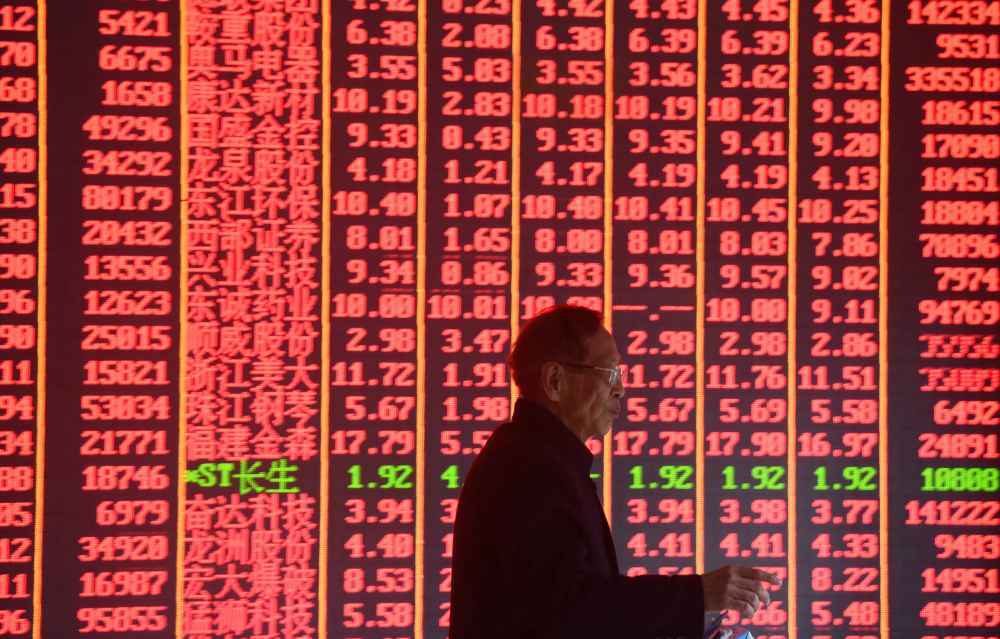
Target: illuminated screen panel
264,262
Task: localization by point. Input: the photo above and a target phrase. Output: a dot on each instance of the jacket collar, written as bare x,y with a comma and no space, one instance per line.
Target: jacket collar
549,427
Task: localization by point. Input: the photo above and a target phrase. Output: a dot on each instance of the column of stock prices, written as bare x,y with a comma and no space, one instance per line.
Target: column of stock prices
262,262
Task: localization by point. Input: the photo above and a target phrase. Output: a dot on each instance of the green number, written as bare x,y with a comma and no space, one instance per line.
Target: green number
961,479
821,479
676,477
395,476
402,474
450,475
388,473
942,479
768,477
860,477
637,477
729,472
928,474
355,473
972,479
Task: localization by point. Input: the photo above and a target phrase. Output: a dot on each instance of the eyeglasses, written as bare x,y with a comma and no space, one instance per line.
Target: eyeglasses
614,374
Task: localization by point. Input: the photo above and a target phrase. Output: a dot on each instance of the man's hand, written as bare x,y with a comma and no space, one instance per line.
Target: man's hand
737,588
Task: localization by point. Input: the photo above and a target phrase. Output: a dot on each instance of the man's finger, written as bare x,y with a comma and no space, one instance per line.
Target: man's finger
759,575
746,600
757,589
743,606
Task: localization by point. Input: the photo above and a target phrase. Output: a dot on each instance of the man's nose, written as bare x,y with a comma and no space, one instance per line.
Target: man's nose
618,390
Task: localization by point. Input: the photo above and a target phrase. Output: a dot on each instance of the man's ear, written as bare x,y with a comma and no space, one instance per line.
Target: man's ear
552,381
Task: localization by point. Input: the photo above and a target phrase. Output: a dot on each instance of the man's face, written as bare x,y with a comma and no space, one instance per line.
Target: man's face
590,403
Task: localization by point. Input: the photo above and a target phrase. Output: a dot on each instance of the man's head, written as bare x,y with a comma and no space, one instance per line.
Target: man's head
566,361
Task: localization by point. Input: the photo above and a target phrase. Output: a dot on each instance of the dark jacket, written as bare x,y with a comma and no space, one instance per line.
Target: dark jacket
533,554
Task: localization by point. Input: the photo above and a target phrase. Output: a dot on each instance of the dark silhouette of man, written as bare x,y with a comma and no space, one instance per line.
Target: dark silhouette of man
533,553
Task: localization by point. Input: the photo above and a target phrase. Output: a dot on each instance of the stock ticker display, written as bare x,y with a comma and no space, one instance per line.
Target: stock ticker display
263,261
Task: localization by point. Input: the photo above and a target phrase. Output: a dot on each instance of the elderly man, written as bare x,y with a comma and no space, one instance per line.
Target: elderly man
533,553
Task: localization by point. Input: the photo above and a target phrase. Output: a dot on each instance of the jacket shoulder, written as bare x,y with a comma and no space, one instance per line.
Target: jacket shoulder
512,450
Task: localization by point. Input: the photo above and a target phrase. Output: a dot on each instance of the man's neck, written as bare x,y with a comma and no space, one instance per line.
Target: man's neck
562,416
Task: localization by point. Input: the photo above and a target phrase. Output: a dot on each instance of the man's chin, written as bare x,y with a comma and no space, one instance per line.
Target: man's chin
604,429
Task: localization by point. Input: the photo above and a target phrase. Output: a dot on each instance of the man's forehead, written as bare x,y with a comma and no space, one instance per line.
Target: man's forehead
602,347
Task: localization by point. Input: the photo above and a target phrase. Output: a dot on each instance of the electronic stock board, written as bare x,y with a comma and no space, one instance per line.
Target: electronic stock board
262,262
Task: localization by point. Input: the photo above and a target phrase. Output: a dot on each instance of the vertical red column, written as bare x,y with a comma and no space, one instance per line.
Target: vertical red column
944,408
562,245
376,337
749,294
840,374
562,115
110,485
22,269
469,232
253,366
655,292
